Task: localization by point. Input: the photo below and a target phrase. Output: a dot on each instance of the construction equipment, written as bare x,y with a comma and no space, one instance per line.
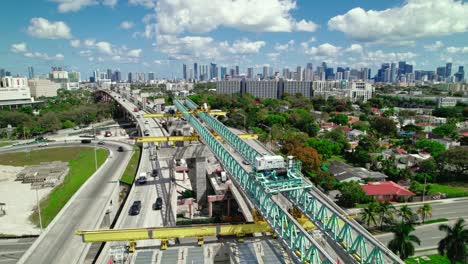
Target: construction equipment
211,113
185,138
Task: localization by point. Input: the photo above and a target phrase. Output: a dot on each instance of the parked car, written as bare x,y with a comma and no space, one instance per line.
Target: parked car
86,141
136,207
120,149
101,143
158,204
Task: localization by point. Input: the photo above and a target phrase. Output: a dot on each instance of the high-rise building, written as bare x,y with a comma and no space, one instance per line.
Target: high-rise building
30,72
408,68
387,75
213,71
448,69
223,72
265,72
339,76
299,73
346,75
118,76
232,72
151,76
237,70
460,75
130,79
369,74
184,72
195,71
96,75
393,72
2,73
109,75
7,73
329,74
74,76
250,73
365,74
441,73
401,67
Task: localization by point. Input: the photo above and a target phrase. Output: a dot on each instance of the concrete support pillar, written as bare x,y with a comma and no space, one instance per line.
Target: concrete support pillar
229,207
190,211
210,209
197,177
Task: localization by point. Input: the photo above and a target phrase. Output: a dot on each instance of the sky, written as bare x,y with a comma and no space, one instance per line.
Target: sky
160,35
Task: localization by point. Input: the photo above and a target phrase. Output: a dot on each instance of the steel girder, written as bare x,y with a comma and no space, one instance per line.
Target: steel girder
357,242
301,245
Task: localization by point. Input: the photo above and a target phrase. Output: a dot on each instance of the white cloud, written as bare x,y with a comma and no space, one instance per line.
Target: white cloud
434,46
285,47
196,47
145,3
43,28
457,49
65,6
158,62
135,53
201,16
85,53
43,56
355,48
89,42
126,25
324,50
19,47
273,55
307,26
104,47
75,43
414,19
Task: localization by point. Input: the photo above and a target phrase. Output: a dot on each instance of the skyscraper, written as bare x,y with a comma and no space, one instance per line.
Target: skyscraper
109,74
265,72
223,73
460,75
130,79
213,71
118,76
441,73
393,72
195,71
237,70
184,72
2,73
401,67
249,73
299,73
30,72
448,69
151,76
408,68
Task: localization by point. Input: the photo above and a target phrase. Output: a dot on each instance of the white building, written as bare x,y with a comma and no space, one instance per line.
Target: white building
14,89
43,87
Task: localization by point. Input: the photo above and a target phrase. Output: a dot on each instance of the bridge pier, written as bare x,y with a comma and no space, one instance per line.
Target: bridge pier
197,176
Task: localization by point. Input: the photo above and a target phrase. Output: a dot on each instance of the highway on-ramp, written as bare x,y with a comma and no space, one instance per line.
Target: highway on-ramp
84,211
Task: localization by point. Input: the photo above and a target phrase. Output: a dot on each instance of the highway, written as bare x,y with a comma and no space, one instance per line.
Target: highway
85,210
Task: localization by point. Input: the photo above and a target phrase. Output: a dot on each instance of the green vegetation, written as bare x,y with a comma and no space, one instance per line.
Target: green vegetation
130,172
78,159
402,242
68,109
454,244
451,191
438,220
4,143
433,259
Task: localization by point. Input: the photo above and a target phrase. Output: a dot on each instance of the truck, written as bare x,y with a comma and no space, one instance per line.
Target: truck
223,176
108,133
86,141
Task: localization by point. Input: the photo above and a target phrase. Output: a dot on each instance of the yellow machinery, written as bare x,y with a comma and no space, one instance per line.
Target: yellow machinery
186,138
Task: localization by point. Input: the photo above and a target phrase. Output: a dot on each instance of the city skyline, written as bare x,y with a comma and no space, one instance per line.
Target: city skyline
152,36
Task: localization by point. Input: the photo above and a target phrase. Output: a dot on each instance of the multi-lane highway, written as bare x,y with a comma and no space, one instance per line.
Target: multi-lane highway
85,210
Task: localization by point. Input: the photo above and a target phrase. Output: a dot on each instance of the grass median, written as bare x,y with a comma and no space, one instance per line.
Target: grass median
128,177
451,189
81,163
431,259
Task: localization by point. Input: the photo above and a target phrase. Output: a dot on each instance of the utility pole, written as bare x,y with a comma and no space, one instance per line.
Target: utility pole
95,154
38,204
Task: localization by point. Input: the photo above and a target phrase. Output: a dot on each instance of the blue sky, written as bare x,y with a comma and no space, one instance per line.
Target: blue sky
160,35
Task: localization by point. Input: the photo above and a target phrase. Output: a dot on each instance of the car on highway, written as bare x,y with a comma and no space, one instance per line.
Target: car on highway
246,162
146,122
101,143
136,207
43,145
142,179
155,173
158,204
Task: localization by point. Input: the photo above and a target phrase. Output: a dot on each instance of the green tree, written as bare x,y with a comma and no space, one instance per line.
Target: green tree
406,214
431,146
361,125
383,126
338,136
425,211
369,214
324,147
454,245
340,119
50,122
386,211
352,193
402,242
453,164
68,124
446,130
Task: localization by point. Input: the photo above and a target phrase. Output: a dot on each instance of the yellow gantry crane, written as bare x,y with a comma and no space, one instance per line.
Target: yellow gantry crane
185,138
212,113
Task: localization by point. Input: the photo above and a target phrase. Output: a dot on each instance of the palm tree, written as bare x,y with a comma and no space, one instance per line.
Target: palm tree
454,243
369,214
386,211
425,211
406,214
402,242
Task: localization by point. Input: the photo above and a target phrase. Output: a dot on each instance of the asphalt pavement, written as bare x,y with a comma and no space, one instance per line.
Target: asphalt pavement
58,243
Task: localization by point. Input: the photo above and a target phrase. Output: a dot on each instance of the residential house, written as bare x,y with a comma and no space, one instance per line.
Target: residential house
387,191
345,173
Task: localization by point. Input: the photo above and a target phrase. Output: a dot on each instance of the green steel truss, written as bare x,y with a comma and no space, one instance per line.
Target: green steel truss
361,245
301,245
354,239
272,183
